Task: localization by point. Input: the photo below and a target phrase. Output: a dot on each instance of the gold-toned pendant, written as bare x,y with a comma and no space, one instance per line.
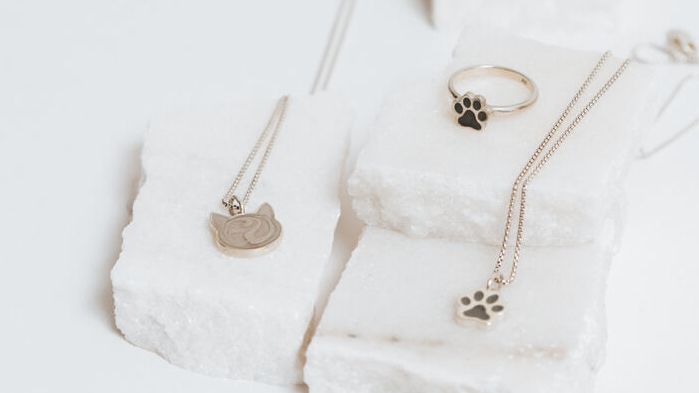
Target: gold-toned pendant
480,309
248,234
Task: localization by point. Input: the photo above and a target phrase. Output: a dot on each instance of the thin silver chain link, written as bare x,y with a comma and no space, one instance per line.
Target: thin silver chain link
275,121
525,176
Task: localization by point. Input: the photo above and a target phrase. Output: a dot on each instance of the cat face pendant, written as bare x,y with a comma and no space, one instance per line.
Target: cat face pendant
247,235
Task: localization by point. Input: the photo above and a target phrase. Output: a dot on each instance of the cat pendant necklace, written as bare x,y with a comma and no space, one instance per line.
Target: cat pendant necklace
483,307
244,234
247,234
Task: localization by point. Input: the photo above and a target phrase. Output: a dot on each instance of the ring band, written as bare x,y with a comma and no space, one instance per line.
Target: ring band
472,110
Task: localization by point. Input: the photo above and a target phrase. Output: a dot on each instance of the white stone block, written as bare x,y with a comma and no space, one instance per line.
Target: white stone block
422,174
176,294
389,325
567,23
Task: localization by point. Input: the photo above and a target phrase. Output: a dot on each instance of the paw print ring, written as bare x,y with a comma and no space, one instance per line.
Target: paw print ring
471,109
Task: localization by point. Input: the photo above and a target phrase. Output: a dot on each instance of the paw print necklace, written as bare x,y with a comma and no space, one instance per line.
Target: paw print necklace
250,234
484,306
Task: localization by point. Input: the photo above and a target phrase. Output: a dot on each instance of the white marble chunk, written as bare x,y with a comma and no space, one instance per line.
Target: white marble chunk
568,23
422,174
389,325
176,294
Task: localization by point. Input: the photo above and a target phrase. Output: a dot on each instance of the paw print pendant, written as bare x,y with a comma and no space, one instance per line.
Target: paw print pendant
247,234
480,309
471,111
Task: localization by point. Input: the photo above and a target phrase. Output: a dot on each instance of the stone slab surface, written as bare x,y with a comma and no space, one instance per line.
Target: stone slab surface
389,325
176,294
565,23
423,174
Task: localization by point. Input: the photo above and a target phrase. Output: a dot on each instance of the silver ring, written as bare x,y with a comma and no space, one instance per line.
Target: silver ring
471,109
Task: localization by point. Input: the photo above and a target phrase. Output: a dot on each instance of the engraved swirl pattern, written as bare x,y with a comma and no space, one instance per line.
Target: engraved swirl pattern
247,234
249,231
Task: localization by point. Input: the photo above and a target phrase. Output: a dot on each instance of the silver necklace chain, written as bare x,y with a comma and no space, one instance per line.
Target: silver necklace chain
230,201
325,68
526,176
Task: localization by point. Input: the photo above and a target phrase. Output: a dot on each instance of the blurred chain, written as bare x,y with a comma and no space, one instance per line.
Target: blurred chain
679,48
325,68
334,45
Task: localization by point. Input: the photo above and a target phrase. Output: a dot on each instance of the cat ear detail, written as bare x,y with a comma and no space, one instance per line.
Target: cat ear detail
218,220
246,235
265,209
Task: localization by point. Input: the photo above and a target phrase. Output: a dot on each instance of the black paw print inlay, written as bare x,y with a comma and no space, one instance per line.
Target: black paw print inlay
480,307
470,111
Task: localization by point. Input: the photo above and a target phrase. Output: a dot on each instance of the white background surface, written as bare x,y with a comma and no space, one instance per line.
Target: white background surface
78,82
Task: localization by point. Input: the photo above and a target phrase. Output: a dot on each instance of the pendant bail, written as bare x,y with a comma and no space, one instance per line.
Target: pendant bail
234,206
495,282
